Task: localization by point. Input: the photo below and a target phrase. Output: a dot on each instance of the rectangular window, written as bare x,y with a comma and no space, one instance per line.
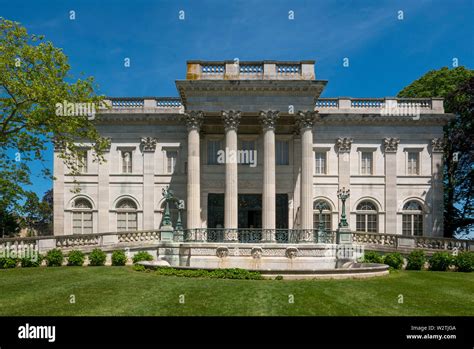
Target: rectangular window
77,223
406,226
82,222
282,152
247,145
326,220
126,161
418,225
320,163
413,163
213,147
360,222
171,158
82,162
366,163
126,221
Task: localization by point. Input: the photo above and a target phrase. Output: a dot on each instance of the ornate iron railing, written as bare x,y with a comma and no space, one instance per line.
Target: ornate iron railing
245,235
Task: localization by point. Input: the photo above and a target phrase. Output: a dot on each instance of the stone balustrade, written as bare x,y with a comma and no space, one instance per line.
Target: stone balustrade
248,70
401,242
122,240
85,240
388,105
127,102
139,236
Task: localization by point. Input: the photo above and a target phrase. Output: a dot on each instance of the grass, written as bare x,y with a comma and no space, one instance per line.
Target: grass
122,291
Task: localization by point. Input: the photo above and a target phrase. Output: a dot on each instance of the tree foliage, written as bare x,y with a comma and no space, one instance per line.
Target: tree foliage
456,86
34,77
38,215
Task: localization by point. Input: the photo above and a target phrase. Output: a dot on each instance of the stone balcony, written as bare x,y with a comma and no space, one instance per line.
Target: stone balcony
341,105
347,105
250,70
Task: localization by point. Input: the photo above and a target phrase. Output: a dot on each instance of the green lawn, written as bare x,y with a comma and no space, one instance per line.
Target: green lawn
122,291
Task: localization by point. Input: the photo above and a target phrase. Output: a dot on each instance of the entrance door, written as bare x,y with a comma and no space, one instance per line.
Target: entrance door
250,211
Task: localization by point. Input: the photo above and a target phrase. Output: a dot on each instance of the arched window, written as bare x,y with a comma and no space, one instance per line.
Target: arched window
412,218
366,217
326,215
126,215
82,217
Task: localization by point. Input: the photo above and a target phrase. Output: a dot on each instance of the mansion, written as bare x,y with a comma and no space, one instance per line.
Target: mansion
251,145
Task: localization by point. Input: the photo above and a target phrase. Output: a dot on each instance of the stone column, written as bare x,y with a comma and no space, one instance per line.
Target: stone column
103,194
194,121
231,121
58,191
305,122
343,148
390,146
268,120
437,204
148,146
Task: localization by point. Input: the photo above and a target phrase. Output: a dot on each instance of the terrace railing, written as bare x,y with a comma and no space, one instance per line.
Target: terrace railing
375,241
387,105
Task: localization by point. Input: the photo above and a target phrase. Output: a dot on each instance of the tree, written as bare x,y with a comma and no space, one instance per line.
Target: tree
10,223
38,215
456,86
34,80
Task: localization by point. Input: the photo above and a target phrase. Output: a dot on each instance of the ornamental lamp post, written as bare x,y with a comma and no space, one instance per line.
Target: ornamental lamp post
343,195
344,235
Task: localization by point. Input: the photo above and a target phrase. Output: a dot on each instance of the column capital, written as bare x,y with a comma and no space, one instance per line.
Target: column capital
343,144
268,119
306,119
148,144
231,119
193,119
437,145
390,144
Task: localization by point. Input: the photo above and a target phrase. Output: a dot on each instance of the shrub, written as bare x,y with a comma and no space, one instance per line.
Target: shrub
7,262
233,273
142,256
372,257
395,260
279,277
119,258
440,261
464,261
76,258
416,260
97,257
54,258
139,267
31,261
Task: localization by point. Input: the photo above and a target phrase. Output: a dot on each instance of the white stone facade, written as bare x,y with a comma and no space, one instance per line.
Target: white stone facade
387,160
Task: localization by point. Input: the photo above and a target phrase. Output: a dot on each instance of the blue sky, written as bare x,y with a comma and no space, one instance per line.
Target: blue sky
385,53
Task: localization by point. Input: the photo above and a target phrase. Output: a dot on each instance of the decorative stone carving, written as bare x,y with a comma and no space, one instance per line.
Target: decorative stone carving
231,119
306,119
256,252
291,252
343,144
193,119
437,145
391,144
222,251
269,118
148,144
